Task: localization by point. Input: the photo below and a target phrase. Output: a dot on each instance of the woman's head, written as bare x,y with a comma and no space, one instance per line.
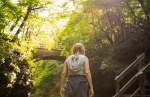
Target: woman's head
78,48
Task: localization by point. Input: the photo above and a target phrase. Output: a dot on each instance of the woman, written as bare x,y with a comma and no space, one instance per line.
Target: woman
76,67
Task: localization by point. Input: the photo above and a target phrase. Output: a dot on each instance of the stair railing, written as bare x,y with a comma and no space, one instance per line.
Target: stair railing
137,64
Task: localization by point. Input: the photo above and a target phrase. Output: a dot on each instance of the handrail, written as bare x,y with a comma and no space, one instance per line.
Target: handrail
135,92
127,85
135,64
145,68
132,80
130,67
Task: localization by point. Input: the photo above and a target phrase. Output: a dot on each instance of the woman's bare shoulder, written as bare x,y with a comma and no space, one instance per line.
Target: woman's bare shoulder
85,56
68,57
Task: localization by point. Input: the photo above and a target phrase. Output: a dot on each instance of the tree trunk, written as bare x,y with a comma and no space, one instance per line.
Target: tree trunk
25,19
14,25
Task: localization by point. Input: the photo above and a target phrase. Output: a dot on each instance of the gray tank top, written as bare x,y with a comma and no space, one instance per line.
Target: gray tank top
76,65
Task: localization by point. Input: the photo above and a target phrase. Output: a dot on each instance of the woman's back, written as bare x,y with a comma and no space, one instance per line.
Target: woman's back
75,64
79,75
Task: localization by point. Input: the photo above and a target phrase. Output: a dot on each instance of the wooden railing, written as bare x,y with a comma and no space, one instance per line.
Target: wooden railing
141,88
138,65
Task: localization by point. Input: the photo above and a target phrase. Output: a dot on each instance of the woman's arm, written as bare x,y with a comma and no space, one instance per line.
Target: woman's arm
63,74
88,76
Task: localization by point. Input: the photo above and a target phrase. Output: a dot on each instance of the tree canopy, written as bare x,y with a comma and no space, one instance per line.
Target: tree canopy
114,32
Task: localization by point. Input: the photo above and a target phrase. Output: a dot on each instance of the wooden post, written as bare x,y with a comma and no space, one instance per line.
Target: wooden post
141,85
117,86
141,79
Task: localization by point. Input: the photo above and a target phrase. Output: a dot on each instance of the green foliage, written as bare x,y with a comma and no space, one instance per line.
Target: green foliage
46,75
113,34
77,30
5,47
14,70
12,12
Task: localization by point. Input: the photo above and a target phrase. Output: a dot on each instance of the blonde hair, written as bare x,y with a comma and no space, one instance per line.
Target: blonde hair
78,48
